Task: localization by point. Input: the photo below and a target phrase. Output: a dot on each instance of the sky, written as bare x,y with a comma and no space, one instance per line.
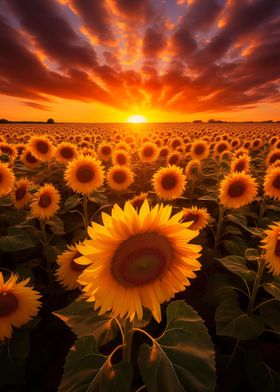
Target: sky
167,60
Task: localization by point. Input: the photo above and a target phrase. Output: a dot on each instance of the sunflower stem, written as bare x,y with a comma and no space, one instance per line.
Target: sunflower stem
261,267
262,210
85,204
219,227
43,231
127,340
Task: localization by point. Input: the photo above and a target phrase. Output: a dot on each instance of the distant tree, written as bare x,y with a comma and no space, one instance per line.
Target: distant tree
50,121
197,121
3,121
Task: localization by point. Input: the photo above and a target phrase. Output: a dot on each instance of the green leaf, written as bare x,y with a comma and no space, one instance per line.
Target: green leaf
83,320
233,247
182,358
232,321
71,202
272,289
237,265
86,370
209,197
56,225
252,254
14,243
261,377
242,221
270,314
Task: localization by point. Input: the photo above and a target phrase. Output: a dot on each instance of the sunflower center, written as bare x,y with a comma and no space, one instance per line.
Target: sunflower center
121,159
199,149
30,158
274,157
67,152
20,193
141,259
8,304
191,217
106,150
173,159
6,150
148,151
236,189
221,148
240,167
45,200
85,173
194,170
119,177
42,147
276,182
169,181
277,248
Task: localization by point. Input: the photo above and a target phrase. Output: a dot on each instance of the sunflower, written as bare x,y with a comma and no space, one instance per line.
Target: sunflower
20,193
240,164
84,174
9,149
137,201
272,182
148,152
138,260
119,178
65,152
121,158
237,190
68,270
193,168
28,160
199,150
220,147
169,182
45,202
174,158
272,248
272,157
105,152
18,304
41,148
199,216
7,179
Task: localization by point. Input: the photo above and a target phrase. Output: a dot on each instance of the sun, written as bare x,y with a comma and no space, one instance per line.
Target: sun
136,119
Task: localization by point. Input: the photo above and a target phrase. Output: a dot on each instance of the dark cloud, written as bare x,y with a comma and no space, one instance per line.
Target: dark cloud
47,25
201,14
154,42
96,18
142,10
36,105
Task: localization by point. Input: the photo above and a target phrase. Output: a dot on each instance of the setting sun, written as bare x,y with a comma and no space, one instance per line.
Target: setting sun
136,119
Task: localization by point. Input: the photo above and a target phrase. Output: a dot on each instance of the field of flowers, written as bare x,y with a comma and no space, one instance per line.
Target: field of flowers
140,257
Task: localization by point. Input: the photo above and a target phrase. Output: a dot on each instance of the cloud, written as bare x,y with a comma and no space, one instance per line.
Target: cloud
196,56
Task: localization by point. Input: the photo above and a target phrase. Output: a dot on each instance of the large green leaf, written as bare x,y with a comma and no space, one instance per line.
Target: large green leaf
84,320
270,314
218,289
17,242
86,370
232,321
273,289
261,377
182,358
237,265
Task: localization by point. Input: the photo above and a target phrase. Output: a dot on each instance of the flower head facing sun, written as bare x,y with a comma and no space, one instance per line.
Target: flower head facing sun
237,190
18,304
7,179
169,182
272,248
272,182
46,202
138,260
198,216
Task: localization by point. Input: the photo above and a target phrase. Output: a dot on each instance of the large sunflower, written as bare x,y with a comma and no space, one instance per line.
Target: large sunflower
84,174
198,216
119,178
237,190
28,160
200,150
240,164
46,202
41,148
18,304
272,182
65,152
148,152
20,194
7,179
68,270
138,260
169,182
272,248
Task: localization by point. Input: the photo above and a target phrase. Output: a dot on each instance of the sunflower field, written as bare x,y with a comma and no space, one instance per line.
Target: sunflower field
140,257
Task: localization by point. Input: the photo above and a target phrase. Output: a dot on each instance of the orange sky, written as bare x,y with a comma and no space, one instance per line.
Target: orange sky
105,60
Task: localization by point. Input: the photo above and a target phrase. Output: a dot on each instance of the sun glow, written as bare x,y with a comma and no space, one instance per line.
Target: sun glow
136,119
